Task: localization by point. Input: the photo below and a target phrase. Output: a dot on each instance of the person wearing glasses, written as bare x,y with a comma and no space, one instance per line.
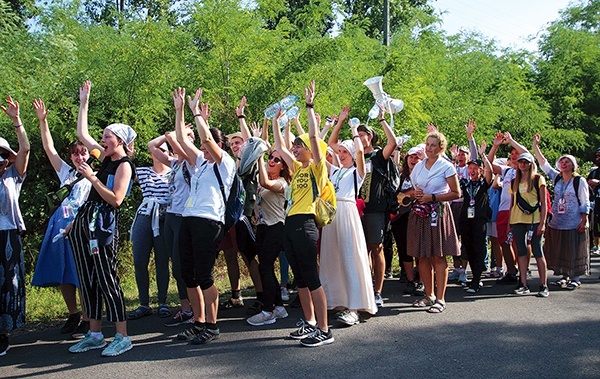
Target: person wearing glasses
13,166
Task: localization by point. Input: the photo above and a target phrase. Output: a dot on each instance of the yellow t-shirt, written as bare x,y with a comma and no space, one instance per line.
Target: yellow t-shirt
301,191
517,216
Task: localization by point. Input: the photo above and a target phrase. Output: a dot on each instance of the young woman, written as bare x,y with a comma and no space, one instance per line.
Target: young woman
528,220
300,232
147,234
344,265
567,239
55,264
203,217
400,224
270,211
94,242
13,166
180,175
430,221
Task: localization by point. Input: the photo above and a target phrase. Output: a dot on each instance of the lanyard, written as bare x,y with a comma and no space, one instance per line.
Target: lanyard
564,188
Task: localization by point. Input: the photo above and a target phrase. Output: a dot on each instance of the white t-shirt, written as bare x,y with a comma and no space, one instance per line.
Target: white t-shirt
79,194
179,185
463,173
433,181
508,174
205,199
344,183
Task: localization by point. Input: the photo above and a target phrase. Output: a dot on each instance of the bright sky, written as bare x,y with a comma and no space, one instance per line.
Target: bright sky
510,22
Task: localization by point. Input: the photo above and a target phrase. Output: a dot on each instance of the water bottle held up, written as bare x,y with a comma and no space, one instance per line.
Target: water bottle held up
288,101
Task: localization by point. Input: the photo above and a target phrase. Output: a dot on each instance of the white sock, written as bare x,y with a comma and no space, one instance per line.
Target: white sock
312,323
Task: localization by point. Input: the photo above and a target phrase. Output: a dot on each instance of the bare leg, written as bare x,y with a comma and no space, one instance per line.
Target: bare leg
441,276
69,293
233,268
320,307
307,304
378,264
196,300
211,300
426,275
121,327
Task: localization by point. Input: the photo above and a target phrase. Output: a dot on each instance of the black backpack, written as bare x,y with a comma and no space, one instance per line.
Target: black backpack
234,204
576,182
391,184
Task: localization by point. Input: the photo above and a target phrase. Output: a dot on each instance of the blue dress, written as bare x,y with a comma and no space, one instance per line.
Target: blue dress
55,264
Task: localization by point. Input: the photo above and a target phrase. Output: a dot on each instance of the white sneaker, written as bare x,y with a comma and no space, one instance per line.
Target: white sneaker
280,312
262,318
348,317
378,300
285,296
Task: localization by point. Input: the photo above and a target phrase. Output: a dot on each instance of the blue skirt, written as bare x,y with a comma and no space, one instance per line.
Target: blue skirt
55,264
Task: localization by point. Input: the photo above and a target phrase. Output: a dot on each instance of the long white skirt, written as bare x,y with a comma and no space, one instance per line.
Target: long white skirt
344,270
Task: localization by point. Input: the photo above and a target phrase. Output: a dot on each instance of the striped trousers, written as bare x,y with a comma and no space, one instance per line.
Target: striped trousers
97,272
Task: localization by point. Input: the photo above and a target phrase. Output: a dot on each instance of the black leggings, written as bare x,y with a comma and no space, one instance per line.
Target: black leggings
269,243
198,242
474,243
399,228
300,245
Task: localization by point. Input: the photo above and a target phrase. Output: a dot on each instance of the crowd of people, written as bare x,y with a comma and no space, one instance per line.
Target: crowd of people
454,208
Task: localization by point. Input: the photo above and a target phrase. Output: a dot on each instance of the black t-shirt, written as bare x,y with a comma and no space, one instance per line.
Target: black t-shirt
372,189
106,175
478,191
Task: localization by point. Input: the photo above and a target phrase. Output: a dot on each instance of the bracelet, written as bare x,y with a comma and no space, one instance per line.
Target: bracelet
433,198
381,119
197,115
310,105
241,116
357,136
18,126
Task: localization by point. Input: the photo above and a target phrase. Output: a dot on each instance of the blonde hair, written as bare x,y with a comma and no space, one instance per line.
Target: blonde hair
518,177
440,137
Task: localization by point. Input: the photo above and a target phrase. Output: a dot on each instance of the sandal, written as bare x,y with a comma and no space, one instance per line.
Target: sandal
425,301
573,286
141,311
438,307
164,311
232,303
562,283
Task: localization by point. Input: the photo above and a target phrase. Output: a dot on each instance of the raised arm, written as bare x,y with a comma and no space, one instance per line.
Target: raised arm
154,148
47,142
470,128
520,148
299,128
83,133
360,156
327,126
239,111
487,166
12,111
309,95
263,178
199,111
280,144
388,149
191,151
334,137
498,140
536,150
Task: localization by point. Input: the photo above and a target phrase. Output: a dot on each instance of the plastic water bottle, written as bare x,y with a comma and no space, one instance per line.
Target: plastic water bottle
283,120
354,122
272,110
292,112
374,112
288,101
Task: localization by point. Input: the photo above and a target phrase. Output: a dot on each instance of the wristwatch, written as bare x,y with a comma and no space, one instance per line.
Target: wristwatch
433,198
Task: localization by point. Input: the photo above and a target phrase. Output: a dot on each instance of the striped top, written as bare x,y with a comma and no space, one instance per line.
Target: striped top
153,185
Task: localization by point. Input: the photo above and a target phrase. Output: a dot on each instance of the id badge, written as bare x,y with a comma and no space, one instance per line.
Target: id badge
562,206
471,212
189,202
434,218
94,250
369,166
529,235
66,211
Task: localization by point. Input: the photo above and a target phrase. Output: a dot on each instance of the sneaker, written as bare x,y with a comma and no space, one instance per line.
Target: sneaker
285,296
508,279
388,275
262,318
348,317
420,289
522,290
494,274
280,312
255,308
71,324
378,300
189,333
88,343
543,291
304,330
205,336
232,303
410,288
474,287
4,345
454,275
319,338
180,318
118,346
81,330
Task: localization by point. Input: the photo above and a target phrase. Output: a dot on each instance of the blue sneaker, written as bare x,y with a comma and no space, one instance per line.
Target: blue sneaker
88,343
118,346
454,275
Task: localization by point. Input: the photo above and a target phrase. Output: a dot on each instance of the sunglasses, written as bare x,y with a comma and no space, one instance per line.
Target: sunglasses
5,155
274,159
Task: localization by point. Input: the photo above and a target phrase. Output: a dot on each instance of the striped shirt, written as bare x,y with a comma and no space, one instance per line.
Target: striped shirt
153,185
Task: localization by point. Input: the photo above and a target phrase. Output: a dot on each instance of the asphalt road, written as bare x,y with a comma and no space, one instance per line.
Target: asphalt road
492,334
